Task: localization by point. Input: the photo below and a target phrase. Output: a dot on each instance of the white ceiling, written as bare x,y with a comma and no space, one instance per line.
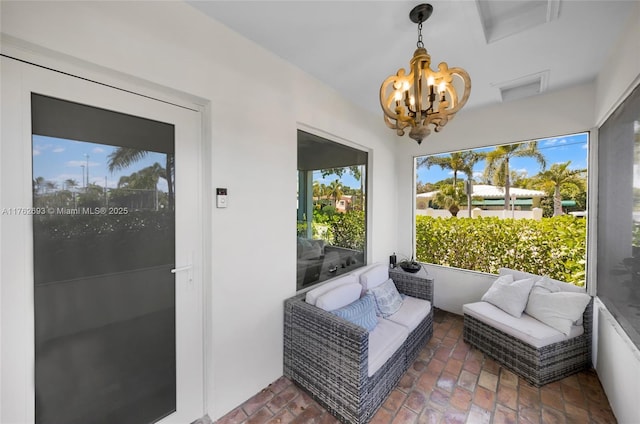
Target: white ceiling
354,45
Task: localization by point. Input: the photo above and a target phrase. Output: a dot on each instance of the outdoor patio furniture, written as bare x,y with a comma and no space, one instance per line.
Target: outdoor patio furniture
328,356
526,346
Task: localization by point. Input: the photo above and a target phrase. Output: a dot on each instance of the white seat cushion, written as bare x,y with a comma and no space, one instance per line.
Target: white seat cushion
384,340
411,313
525,328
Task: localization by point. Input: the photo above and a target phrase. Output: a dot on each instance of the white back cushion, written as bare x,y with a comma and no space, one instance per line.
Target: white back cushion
313,295
374,276
520,275
339,297
556,308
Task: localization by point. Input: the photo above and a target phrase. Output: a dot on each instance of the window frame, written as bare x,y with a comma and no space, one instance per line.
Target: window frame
591,143
366,187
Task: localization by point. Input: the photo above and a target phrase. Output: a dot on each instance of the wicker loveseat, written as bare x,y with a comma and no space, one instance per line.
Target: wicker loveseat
517,343
328,356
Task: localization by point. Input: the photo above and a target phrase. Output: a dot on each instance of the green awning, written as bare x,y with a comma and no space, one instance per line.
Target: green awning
568,203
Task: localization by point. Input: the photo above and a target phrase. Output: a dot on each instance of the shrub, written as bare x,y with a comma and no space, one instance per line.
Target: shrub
349,230
552,246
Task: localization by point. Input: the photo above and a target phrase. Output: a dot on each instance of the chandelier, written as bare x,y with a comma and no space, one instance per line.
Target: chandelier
424,97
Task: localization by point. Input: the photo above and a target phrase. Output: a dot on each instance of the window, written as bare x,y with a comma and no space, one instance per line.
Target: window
331,218
520,205
618,246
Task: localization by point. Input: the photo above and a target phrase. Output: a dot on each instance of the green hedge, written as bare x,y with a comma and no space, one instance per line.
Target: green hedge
552,246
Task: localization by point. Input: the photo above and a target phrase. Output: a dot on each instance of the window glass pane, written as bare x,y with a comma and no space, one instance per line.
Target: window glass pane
619,215
331,217
520,205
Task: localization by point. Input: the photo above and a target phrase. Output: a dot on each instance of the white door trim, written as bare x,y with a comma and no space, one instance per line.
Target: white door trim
17,391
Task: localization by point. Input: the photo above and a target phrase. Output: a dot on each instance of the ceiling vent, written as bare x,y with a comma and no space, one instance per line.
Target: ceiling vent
529,85
501,18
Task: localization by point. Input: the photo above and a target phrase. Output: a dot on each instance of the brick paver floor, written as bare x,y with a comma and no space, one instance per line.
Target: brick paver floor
448,383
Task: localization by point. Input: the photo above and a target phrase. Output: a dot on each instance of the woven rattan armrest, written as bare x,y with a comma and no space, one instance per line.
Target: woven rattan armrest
415,285
327,345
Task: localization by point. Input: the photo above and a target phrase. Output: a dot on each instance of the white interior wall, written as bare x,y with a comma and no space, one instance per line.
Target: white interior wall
622,72
454,287
251,134
617,364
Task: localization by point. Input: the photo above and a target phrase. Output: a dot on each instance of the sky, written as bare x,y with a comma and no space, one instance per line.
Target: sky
555,150
347,179
571,147
58,160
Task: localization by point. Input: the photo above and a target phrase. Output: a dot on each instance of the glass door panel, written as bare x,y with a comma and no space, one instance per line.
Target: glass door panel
104,247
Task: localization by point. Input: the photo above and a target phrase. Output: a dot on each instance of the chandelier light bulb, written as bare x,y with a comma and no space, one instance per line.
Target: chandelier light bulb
423,109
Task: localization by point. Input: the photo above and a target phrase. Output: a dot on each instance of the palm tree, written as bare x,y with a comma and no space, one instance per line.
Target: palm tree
448,197
70,183
146,178
335,191
38,184
355,170
560,175
50,186
497,166
456,162
123,157
319,190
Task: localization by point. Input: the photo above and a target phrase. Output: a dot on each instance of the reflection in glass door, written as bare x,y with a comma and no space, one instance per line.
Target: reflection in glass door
104,247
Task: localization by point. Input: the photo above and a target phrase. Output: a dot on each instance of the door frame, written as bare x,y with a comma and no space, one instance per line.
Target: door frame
17,392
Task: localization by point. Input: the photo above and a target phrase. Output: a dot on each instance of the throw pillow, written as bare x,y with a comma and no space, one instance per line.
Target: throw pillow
340,296
388,300
557,309
508,295
362,312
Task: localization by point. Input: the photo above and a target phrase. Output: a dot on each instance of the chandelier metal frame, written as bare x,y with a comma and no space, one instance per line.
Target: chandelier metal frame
423,98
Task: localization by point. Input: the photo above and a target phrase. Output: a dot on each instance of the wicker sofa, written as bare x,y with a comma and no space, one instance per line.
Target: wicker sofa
328,356
510,342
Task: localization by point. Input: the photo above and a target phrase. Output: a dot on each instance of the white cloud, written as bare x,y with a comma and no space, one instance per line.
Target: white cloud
36,152
76,163
554,141
41,146
97,150
58,150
